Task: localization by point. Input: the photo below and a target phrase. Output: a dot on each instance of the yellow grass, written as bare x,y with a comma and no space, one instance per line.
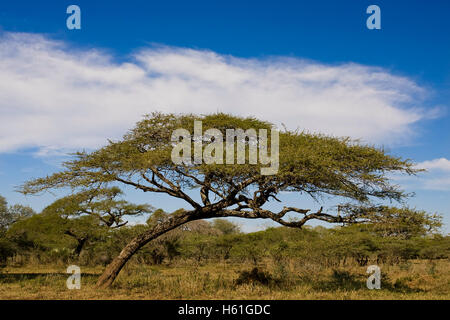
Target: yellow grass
411,280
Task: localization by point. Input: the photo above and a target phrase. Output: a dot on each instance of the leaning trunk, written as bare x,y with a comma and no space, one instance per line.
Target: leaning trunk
113,269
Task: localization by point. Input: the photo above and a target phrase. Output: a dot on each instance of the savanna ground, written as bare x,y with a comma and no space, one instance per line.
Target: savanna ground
412,279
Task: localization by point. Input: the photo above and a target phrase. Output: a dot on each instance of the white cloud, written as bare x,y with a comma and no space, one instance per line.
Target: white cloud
440,184
441,164
437,176
56,97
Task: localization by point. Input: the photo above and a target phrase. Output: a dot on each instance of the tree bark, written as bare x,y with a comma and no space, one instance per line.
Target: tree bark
81,241
113,269
79,247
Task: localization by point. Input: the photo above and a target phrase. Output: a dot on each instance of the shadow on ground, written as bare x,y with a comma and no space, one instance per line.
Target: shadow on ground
344,280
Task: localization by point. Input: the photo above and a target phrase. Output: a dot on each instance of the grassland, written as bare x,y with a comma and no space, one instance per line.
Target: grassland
414,279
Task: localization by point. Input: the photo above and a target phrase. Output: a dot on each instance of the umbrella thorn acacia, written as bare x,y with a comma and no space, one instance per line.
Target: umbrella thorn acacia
104,207
312,164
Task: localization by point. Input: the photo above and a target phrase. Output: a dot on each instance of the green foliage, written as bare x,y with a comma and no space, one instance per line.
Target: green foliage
7,249
395,222
4,214
309,163
43,231
102,204
157,217
226,227
5,221
9,215
201,242
72,222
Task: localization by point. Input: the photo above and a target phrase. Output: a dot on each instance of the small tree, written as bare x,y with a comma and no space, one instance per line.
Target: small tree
311,164
14,213
85,212
226,227
5,218
101,203
46,232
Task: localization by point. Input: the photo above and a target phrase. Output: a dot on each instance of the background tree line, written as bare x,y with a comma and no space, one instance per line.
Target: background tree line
89,229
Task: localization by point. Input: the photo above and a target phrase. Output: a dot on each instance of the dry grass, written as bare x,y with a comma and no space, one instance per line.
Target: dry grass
411,280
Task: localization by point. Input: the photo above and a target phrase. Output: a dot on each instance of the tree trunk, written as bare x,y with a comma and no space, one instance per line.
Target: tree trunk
113,269
80,246
81,241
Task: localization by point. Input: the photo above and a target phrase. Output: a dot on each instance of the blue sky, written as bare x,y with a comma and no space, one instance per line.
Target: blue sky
190,55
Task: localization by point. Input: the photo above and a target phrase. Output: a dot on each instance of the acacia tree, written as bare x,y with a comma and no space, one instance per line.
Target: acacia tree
102,203
12,214
4,215
8,216
312,164
93,209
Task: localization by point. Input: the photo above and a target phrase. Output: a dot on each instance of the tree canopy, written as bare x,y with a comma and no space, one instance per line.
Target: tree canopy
312,164
103,204
11,214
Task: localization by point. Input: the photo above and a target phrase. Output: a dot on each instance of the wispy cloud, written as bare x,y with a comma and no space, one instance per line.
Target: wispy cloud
441,164
56,97
437,176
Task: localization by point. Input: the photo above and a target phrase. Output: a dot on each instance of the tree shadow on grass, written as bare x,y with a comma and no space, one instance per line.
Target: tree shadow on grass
340,280
255,276
344,280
